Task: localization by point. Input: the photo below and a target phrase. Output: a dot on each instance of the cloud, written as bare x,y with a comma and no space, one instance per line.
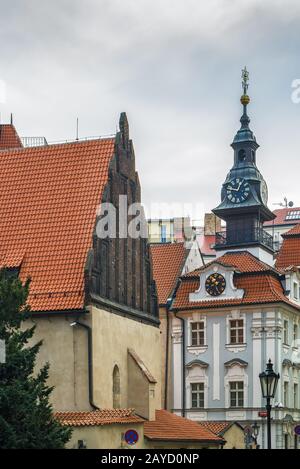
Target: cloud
174,66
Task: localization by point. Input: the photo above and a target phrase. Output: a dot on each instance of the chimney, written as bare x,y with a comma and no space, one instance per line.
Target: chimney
212,224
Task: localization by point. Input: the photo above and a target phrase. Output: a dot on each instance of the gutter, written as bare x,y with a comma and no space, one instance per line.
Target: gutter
168,306
90,362
183,389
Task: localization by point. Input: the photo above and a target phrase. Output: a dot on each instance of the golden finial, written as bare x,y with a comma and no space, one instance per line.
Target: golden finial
245,84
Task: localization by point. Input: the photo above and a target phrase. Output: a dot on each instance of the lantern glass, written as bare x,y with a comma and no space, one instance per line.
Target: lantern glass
268,381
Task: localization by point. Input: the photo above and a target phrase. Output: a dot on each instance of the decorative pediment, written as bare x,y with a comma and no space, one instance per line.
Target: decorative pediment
236,361
197,363
225,276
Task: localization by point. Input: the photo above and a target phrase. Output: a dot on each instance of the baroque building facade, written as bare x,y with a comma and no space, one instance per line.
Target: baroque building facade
235,313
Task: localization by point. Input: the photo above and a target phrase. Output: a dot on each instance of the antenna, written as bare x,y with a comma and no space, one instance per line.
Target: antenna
77,122
285,203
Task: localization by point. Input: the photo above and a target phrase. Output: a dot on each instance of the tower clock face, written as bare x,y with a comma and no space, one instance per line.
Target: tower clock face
238,190
264,192
215,284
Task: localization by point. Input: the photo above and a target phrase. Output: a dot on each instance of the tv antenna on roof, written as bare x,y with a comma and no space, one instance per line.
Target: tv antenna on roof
285,203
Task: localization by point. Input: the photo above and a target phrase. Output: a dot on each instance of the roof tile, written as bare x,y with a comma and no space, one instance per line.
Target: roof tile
48,213
167,261
171,427
98,417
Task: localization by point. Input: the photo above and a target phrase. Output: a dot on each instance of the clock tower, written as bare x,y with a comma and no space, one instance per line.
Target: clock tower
244,195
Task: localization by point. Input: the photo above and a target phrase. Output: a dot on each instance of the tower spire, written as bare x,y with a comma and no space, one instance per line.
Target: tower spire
245,100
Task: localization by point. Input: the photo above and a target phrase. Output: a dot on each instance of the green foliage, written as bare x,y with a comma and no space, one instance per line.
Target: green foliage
26,415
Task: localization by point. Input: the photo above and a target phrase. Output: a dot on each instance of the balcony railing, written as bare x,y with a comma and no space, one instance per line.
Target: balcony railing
235,237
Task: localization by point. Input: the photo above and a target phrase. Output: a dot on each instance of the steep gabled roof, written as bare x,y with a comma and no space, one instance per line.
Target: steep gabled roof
171,427
289,253
48,206
9,137
168,261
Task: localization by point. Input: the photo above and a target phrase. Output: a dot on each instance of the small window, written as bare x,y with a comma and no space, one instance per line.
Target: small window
163,233
293,215
296,291
286,332
236,394
295,334
286,394
242,155
197,395
116,388
296,400
237,331
197,334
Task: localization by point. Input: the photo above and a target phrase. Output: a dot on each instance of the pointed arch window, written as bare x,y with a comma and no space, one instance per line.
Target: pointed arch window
116,388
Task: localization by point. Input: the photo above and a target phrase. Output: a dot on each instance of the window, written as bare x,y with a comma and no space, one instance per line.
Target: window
236,393
116,388
295,396
295,334
242,155
237,331
163,233
286,394
197,334
286,332
293,215
197,391
296,290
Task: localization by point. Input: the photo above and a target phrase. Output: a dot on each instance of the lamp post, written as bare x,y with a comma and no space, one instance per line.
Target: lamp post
268,381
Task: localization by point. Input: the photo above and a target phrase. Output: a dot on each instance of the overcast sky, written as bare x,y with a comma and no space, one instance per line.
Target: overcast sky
174,66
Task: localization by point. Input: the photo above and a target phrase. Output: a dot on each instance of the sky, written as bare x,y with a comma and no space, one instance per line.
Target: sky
175,67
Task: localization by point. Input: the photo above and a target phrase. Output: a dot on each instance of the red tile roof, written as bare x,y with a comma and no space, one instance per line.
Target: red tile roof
98,417
289,253
48,213
281,214
260,282
9,137
170,427
206,243
242,261
295,231
218,427
167,260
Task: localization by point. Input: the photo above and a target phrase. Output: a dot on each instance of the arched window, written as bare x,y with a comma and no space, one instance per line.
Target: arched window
116,388
242,155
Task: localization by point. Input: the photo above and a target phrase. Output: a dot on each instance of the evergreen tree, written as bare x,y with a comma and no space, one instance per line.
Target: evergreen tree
26,416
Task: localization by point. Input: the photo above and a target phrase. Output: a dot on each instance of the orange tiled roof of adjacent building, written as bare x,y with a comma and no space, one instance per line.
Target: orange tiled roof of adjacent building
48,213
9,137
171,427
289,253
167,260
217,427
98,417
260,282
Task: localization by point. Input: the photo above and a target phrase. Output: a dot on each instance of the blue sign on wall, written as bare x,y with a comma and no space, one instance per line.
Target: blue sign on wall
297,430
131,437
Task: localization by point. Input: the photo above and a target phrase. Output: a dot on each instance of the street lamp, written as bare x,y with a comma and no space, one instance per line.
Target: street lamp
268,381
255,432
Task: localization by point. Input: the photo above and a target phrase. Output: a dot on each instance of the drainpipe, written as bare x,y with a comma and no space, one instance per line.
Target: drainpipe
168,305
90,361
183,365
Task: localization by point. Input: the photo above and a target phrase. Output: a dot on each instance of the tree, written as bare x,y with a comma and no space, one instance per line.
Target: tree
26,415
